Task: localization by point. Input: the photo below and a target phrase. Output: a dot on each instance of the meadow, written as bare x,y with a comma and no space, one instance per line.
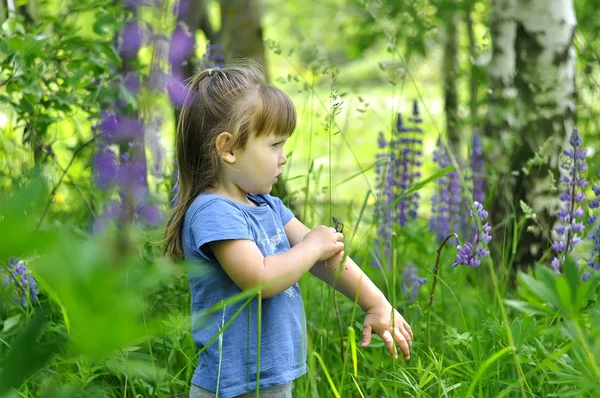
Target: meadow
91,307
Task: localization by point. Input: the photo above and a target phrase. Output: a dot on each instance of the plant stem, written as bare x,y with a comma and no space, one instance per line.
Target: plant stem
435,274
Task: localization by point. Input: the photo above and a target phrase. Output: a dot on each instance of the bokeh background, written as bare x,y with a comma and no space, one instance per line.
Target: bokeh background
408,113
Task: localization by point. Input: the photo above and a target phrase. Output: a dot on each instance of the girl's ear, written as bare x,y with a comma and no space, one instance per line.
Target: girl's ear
223,144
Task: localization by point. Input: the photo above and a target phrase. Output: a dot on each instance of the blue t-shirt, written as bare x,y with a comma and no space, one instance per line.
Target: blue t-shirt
211,218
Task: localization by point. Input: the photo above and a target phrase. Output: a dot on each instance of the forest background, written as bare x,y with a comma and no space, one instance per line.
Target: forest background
409,112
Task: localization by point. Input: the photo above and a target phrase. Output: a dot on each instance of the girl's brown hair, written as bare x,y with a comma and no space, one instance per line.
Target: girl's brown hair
234,99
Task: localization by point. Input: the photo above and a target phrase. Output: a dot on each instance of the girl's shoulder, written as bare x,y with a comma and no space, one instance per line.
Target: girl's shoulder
208,199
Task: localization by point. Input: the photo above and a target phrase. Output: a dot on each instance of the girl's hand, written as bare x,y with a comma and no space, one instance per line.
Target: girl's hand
327,240
335,262
384,320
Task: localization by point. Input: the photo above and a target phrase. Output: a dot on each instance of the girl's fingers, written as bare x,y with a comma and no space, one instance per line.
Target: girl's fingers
404,345
339,236
389,342
367,333
404,334
409,329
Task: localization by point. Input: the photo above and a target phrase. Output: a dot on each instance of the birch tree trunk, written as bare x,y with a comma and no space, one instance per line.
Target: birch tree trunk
532,82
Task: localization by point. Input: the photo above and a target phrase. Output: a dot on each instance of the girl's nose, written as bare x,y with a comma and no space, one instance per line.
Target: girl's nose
283,159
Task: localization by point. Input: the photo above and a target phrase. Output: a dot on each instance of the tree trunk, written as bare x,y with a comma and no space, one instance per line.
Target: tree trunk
241,32
474,68
532,78
450,73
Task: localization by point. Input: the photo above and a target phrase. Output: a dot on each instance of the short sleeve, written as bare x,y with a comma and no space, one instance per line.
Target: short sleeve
217,220
284,213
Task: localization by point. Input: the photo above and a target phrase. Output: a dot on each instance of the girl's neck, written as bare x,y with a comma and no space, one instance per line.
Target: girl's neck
232,192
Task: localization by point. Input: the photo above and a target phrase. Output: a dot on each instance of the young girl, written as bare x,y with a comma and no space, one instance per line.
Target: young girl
230,139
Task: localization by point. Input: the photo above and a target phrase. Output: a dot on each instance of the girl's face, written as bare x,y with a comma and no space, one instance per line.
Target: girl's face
258,166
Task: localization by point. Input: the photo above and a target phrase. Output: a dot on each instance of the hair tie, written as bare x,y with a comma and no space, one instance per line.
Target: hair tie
210,71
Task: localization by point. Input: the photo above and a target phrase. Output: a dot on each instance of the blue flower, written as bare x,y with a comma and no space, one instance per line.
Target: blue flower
594,259
411,281
17,276
570,227
472,252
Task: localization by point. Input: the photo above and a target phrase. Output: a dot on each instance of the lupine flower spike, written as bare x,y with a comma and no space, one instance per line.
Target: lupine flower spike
411,281
383,211
570,225
471,253
594,260
407,164
20,278
440,220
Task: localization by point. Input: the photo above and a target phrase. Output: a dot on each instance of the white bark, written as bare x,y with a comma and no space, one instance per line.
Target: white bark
502,71
549,69
532,82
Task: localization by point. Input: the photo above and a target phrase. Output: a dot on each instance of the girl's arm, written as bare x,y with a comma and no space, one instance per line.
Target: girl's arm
381,317
243,262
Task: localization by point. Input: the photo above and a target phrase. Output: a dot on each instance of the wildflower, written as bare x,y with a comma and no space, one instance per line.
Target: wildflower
118,128
594,260
181,45
383,211
132,82
130,40
411,281
440,220
214,57
471,252
570,225
407,164
20,278
105,168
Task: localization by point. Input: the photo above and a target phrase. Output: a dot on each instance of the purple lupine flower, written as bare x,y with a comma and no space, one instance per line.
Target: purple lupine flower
118,128
132,179
178,92
472,252
17,276
181,45
407,164
594,260
105,168
570,227
477,164
411,281
417,154
446,213
130,39
383,212
440,220
214,57
402,173
132,83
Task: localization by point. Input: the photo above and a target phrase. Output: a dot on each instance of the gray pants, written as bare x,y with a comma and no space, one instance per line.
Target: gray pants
281,391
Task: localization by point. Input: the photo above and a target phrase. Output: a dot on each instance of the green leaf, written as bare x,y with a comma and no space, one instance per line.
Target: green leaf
11,322
530,309
564,294
541,289
19,216
571,274
421,184
587,289
25,358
